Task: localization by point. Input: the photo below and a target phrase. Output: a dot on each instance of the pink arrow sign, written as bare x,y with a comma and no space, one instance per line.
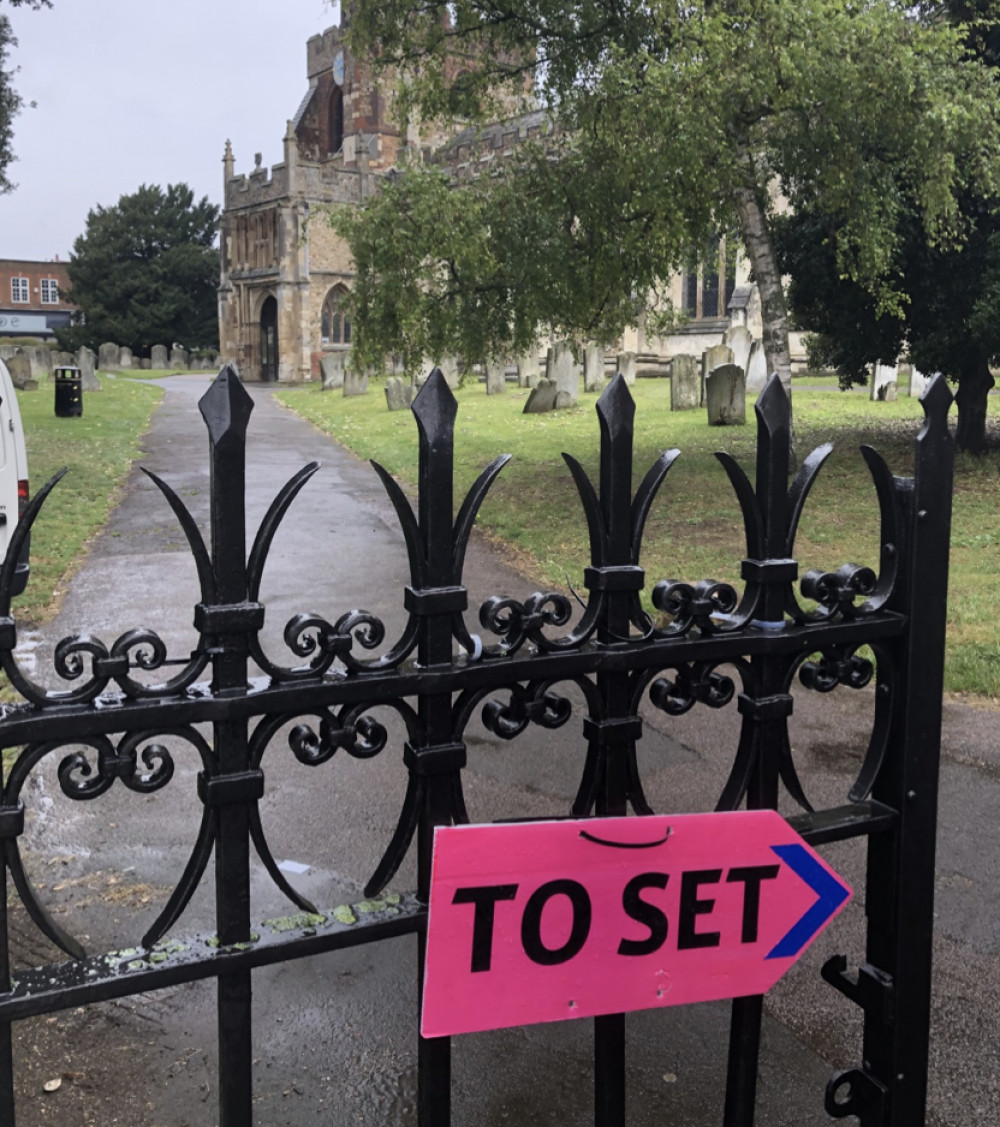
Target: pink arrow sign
544,921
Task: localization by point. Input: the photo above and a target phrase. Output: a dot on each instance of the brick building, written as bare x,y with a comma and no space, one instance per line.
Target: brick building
31,298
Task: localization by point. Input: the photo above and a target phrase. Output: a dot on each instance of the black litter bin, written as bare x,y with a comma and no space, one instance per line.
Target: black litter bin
69,393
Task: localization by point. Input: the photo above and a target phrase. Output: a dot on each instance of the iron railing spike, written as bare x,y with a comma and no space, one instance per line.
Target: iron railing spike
226,406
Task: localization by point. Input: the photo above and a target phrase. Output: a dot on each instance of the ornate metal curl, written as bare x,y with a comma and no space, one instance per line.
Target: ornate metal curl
689,606
78,780
534,704
694,683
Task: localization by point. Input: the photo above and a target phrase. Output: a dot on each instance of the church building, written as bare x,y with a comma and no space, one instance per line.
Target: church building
284,272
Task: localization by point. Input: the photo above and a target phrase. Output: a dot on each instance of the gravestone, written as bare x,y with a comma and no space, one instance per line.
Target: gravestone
85,361
541,399
178,357
725,396
355,383
398,393
918,382
712,358
593,367
740,340
19,366
562,370
496,377
63,360
685,391
756,369
884,382
332,371
626,366
527,369
125,359
158,358
109,357
145,364
449,369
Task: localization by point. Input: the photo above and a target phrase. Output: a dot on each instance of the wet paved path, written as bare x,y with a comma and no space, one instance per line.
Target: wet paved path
335,1034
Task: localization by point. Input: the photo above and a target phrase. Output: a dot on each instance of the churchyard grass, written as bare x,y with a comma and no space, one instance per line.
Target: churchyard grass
98,448
695,527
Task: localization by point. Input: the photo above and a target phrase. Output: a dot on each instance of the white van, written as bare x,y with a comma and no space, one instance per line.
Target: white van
13,476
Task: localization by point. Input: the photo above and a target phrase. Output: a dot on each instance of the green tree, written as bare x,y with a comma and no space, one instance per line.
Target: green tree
675,122
145,272
10,100
950,321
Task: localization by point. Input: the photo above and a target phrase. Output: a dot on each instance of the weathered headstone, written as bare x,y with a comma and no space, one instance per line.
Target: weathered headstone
125,358
496,377
19,366
159,358
714,357
355,383
562,370
725,396
398,393
918,382
884,382
332,371
593,367
449,369
541,399
740,340
109,357
63,360
178,357
145,364
626,367
86,362
756,369
527,369
685,389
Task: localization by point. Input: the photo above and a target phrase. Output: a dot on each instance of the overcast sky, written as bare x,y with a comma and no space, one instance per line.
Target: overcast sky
132,92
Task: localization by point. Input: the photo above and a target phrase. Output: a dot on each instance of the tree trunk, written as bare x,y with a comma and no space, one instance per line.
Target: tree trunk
974,384
760,249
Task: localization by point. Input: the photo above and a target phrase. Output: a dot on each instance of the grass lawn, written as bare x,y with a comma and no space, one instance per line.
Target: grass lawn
695,527
99,448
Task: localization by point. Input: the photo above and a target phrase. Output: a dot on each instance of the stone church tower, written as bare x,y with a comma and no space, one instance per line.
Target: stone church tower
282,275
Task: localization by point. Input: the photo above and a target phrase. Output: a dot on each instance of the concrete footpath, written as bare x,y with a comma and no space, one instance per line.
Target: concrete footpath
335,1035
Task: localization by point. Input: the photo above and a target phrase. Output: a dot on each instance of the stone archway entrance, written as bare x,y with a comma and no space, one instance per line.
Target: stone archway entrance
269,340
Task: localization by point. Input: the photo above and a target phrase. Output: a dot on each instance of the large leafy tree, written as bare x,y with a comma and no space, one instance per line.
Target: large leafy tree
950,321
10,100
145,272
675,121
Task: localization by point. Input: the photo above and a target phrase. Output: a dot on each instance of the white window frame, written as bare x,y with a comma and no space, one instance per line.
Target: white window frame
50,291
20,291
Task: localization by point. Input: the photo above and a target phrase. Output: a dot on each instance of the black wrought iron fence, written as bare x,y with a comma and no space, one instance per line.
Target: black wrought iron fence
111,726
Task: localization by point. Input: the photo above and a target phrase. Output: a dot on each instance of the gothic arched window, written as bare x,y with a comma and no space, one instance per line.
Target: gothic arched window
335,326
335,122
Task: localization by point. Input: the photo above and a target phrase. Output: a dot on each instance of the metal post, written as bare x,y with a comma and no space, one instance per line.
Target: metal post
226,408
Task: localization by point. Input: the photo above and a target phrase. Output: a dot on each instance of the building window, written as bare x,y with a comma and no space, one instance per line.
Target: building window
336,326
19,289
706,292
335,123
50,291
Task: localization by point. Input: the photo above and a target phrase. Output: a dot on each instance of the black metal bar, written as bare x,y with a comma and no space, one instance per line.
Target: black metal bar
6,1037
435,410
172,962
616,412
226,408
765,706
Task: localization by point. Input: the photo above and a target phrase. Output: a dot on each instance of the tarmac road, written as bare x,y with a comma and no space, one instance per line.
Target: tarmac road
335,1035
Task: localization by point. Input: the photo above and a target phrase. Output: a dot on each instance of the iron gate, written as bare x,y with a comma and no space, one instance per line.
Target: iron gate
615,653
